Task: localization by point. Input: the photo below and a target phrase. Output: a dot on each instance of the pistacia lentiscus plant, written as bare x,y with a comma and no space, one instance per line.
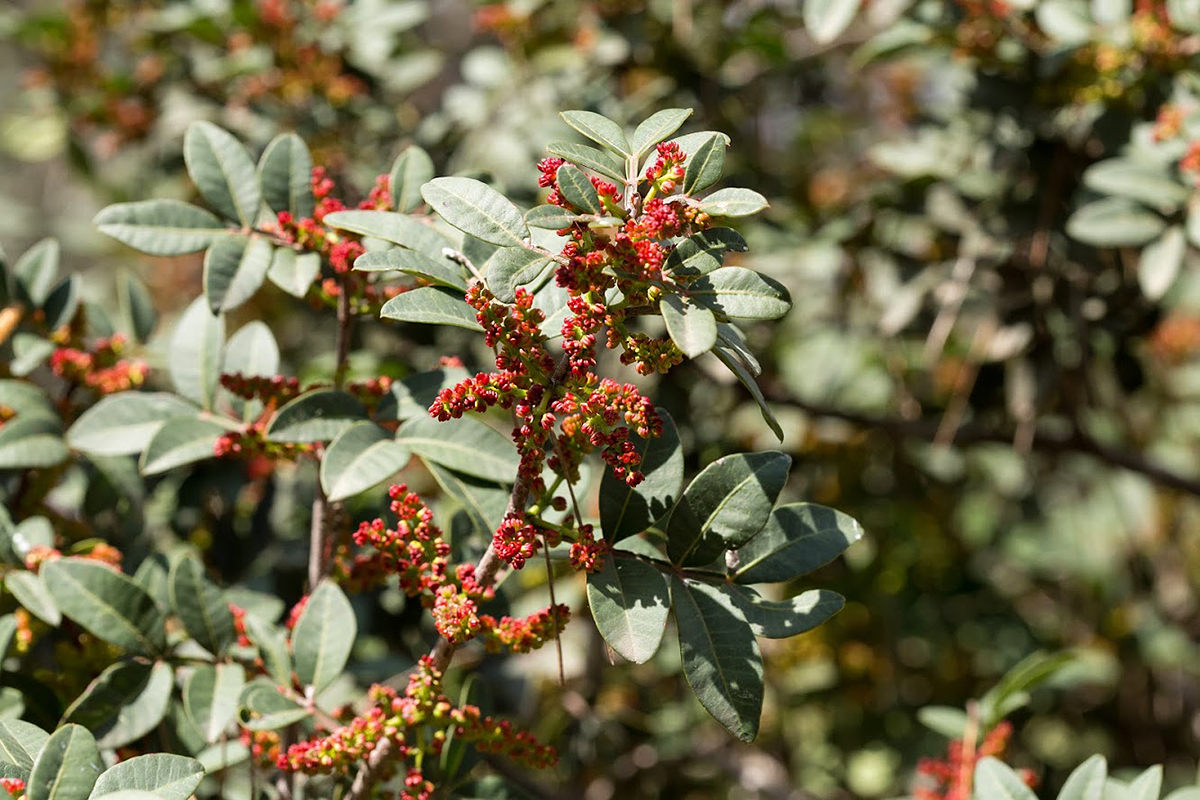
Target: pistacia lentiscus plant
169,684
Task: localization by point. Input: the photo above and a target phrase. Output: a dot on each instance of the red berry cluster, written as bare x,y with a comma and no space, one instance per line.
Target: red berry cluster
99,366
419,720
14,786
524,635
272,390
951,779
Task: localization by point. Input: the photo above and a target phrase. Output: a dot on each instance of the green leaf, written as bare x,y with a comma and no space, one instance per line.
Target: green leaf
689,143
1160,262
160,227
211,696
195,354
30,591
223,172
323,636
412,169
551,217
234,268
1114,222
20,744
107,604
601,130
703,252
27,442
285,173
725,505
182,440
272,647
476,208
412,396
692,327
263,708
1147,785
315,416
625,511
720,656
200,605
779,619
137,306
67,767
510,268
36,270
124,703
733,341
598,161
62,303
441,272
826,20
391,227
656,128
8,629
1031,671
362,456
431,305
741,293
797,539
484,502
1086,782
30,351
252,351
465,445
706,166
166,776
733,202
294,272
29,533
946,720
577,189
729,358
1135,180
629,600
124,423
996,780
26,398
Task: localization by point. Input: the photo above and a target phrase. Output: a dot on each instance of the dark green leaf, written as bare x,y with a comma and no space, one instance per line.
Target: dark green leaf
741,293
137,306
1114,222
124,423
234,268
725,505
484,502
166,776
738,368
323,636
692,327
263,708
705,166
182,440
797,539
720,655
391,227
598,161
195,355
8,629
223,172
779,619
124,703
733,203
476,208
200,605
31,441
656,128
629,600
466,445
67,767
294,272
62,303
362,456
36,270
625,511
315,416
412,169
107,604
31,592
551,217
577,189
431,305
285,172
511,268
440,271
160,227
689,143
703,252
211,697
599,129
734,341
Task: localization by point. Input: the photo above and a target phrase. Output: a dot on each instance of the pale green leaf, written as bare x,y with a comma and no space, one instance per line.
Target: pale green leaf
599,129
431,305
477,209
211,696
362,456
223,172
323,636
200,605
411,170
195,354
165,776
127,701
107,604
124,423
67,767
657,127
160,227
465,445
285,173
234,268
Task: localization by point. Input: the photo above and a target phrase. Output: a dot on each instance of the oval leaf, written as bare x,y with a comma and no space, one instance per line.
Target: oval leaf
629,600
591,158
599,129
183,440
1160,262
431,305
107,604
323,636
67,767
316,416
995,779
656,128
476,208
195,355
31,592
168,777
160,227
222,171
391,227
211,697
465,445
20,744
825,20
577,189
798,538
285,173
693,328
263,708
625,511
779,619
294,272
512,267
234,268
551,217
706,165
741,293
733,203
362,456
703,252
200,605
127,701
121,424
438,271
411,170
1114,222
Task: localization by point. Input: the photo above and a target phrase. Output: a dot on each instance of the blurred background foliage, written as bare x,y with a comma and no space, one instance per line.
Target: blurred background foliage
986,212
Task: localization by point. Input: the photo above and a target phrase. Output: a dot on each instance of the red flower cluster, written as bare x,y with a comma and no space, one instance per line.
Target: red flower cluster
523,635
274,390
951,779
423,714
99,366
14,786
